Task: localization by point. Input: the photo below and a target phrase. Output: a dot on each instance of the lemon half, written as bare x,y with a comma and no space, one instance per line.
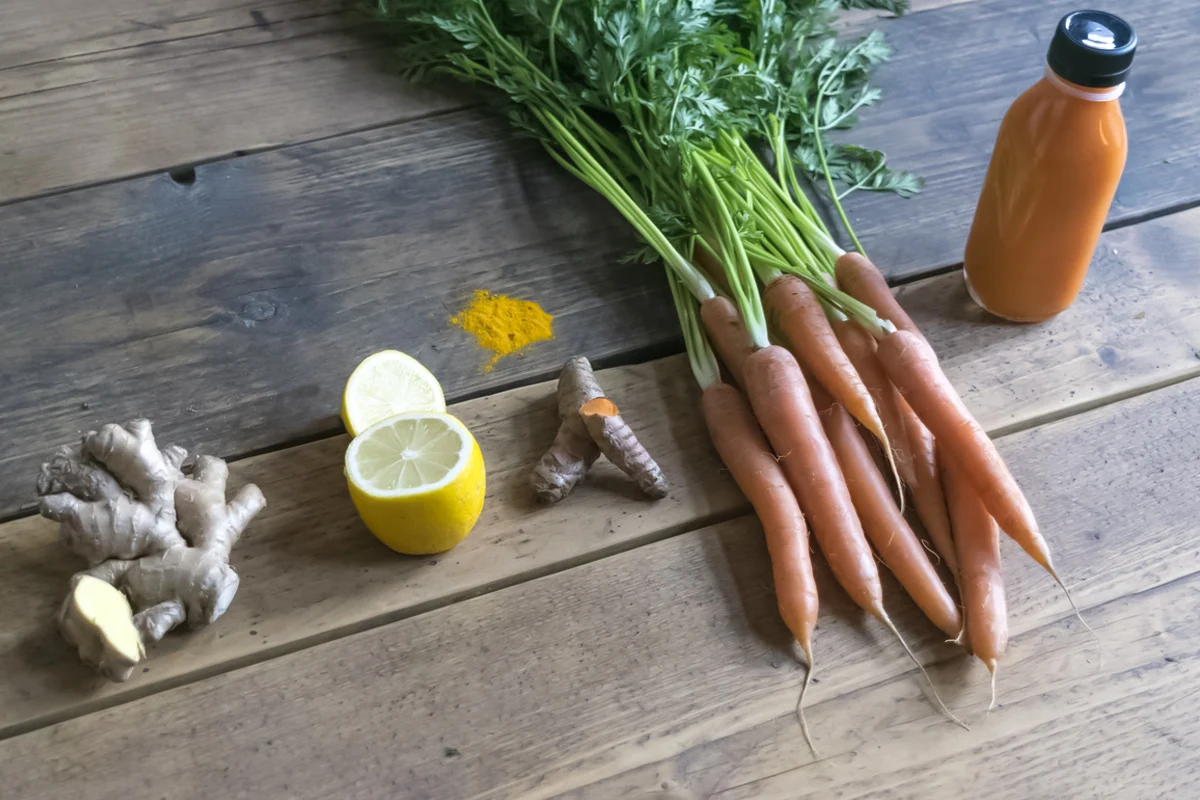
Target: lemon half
387,383
417,480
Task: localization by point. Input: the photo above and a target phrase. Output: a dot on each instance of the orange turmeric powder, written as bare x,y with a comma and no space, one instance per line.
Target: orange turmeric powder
503,324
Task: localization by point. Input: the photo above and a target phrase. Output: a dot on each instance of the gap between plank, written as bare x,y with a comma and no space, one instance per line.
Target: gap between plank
154,42
435,604
632,766
637,355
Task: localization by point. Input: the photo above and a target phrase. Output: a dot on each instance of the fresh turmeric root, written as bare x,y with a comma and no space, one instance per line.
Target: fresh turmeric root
618,444
590,425
160,537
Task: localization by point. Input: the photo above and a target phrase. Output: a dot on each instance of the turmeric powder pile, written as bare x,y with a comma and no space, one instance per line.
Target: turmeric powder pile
503,324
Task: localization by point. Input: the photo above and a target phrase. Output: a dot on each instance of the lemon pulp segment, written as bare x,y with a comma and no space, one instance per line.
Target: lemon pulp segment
412,452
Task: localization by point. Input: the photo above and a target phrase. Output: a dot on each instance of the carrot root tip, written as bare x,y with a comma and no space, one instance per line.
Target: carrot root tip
800,709
1078,615
886,620
991,665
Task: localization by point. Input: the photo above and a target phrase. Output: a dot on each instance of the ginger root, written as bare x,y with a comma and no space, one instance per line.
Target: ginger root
590,425
146,529
98,620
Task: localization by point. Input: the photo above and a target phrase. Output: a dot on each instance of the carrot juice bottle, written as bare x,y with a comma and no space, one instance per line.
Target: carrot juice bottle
1053,174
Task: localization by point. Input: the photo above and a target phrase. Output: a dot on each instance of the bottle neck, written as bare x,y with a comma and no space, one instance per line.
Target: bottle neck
1084,92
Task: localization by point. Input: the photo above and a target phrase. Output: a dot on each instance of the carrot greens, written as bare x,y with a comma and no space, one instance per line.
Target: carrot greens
692,117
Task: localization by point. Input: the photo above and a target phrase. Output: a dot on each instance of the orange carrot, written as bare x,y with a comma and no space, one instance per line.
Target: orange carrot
783,405
913,368
882,520
928,496
859,347
799,315
728,336
780,398
977,539
744,449
748,457
916,455
859,278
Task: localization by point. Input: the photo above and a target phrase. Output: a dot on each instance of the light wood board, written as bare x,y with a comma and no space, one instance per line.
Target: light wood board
667,655
310,571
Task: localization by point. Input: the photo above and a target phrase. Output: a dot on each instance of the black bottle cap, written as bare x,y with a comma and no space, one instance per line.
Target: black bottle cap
1092,48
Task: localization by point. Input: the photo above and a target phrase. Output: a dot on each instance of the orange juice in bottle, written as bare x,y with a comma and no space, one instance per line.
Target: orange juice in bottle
1053,174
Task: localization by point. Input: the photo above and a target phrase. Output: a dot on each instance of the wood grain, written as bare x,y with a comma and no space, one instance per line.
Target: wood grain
1065,727
124,87
657,654
1012,377
231,310
104,90
311,571
954,73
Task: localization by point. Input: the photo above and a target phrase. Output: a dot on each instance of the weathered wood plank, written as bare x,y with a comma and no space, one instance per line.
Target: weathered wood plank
310,570
235,327
231,310
1065,728
104,90
43,31
125,87
1011,376
955,71
651,654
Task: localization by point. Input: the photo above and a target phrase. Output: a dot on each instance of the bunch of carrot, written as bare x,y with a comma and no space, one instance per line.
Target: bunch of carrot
798,454
788,427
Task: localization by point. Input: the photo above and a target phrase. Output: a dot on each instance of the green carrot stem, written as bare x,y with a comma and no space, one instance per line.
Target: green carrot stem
590,170
700,354
739,271
833,195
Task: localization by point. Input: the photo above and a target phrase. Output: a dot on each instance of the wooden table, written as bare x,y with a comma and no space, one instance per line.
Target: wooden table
210,211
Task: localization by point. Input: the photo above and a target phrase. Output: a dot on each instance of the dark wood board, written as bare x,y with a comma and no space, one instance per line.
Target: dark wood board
954,73
576,678
231,310
231,346
107,89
